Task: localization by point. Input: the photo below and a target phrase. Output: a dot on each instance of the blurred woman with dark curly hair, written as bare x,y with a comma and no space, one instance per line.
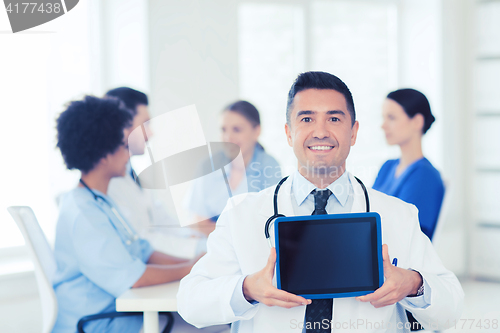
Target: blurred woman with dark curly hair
99,255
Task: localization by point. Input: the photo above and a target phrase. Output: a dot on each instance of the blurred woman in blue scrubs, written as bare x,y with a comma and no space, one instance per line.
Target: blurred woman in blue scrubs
208,197
412,178
99,255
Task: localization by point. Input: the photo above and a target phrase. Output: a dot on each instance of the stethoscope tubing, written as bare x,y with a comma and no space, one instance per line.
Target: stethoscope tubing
275,206
116,213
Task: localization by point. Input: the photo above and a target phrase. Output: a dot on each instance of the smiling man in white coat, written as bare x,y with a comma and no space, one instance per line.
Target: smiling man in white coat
234,282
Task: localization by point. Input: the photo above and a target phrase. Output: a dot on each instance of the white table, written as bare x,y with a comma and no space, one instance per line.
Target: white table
150,301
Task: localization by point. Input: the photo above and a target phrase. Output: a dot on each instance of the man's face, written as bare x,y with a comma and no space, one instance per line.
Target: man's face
320,131
135,142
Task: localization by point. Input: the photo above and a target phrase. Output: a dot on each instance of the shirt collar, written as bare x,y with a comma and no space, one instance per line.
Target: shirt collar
301,188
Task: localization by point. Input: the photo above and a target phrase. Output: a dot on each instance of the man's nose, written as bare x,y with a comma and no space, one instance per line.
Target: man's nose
321,131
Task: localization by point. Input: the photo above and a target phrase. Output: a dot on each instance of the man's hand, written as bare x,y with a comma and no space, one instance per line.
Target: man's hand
399,283
259,287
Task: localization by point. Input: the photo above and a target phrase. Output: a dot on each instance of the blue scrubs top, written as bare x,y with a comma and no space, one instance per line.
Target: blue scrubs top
94,263
208,195
420,184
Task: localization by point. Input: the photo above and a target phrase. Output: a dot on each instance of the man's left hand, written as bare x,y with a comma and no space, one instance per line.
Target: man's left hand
399,283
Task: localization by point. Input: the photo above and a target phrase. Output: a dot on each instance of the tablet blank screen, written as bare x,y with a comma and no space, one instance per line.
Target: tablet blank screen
328,256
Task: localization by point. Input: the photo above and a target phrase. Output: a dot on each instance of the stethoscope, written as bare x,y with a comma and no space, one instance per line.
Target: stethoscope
275,204
132,235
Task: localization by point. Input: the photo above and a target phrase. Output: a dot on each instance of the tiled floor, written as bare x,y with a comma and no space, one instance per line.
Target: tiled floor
21,315
481,310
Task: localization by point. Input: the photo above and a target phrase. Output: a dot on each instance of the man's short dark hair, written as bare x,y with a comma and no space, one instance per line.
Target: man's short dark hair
90,129
130,97
319,80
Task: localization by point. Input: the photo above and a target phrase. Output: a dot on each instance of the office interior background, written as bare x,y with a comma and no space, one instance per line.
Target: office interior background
210,53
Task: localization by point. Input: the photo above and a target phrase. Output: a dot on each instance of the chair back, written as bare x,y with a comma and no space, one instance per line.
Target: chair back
443,214
43,260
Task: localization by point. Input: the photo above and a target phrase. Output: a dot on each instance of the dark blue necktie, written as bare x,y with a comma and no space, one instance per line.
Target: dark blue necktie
319,309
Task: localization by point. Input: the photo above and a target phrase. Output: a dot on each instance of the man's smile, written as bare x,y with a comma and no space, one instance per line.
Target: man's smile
321,147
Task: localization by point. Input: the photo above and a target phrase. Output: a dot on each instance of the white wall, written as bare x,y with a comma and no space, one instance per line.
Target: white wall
433,39
194,57
419,64
124,44
457,137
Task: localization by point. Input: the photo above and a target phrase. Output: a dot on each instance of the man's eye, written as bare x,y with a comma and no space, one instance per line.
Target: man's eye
306,119
334,119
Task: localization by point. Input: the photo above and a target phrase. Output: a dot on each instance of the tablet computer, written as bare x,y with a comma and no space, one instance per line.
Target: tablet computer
329,256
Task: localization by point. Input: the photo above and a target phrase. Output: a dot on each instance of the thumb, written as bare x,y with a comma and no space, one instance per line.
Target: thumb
271,262
386,260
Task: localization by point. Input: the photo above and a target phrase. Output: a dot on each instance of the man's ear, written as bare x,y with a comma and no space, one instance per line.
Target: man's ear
354,132
288,132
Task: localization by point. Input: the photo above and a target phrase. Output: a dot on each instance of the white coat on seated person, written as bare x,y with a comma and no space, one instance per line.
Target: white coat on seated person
238,247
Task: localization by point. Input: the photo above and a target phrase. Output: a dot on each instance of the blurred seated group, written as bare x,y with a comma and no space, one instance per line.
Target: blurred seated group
105,222
98,249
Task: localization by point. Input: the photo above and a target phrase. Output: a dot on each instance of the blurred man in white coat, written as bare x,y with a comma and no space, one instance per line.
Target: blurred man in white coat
148,216
234,282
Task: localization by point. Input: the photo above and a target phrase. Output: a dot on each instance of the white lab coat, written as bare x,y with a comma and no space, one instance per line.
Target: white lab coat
238,248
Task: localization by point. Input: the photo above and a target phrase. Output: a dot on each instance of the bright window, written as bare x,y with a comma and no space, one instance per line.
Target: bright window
46,67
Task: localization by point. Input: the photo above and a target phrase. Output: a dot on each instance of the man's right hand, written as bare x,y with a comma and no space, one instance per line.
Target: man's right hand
259,287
